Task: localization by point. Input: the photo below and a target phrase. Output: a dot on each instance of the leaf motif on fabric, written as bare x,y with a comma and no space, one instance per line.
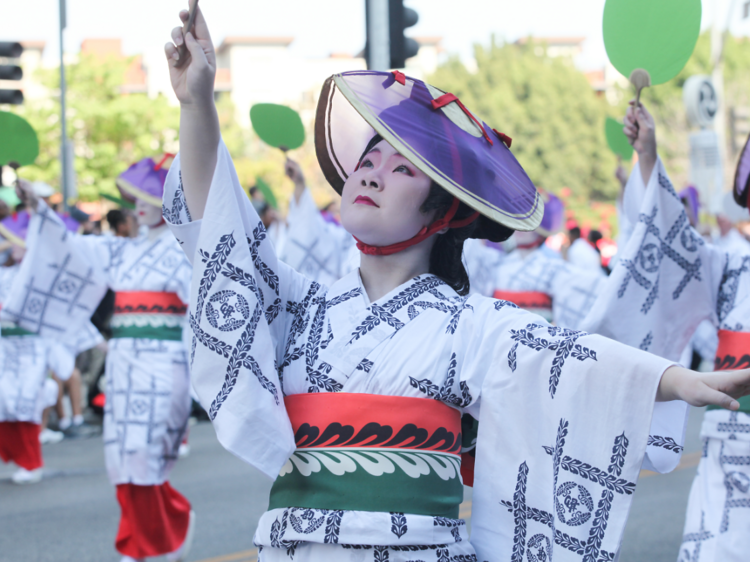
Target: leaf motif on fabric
398,524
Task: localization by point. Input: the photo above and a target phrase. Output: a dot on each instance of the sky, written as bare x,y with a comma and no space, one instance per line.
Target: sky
321,27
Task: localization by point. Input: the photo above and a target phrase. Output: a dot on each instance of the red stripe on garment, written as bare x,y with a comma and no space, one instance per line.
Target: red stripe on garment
368,420
148,302
525,299
154,520
19,442
733,351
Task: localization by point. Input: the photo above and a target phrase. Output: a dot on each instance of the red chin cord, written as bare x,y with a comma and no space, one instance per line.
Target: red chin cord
422,235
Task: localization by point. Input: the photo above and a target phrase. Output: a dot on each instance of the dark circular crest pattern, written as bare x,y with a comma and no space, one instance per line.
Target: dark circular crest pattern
650,257
227,311
539,549
689,239
573,504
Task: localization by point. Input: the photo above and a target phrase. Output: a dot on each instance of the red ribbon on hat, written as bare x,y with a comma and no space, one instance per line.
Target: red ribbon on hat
167,156
445,99
423,234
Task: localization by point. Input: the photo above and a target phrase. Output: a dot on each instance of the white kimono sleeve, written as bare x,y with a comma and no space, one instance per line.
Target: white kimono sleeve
241,313
665,283
563,427
319,250
62,278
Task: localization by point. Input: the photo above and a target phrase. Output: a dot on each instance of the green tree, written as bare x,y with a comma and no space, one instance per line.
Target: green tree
547,107
110,129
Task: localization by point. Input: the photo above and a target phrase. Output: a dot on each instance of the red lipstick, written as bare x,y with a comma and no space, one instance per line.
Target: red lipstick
362,200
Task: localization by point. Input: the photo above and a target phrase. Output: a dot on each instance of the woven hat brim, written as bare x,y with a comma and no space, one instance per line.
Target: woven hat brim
336,175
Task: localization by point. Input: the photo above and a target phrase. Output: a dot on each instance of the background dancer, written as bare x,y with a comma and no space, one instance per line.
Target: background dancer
666,283
147,396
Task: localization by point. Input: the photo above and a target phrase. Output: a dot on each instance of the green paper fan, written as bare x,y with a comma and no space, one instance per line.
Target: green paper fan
656,35
18,141
267,192
616,139
277,125
8,194
119,200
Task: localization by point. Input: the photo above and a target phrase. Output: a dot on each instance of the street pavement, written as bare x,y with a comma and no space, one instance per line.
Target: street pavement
72,514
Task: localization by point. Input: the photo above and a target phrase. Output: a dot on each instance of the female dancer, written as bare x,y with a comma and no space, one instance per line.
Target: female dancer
669,281
148,400
350,397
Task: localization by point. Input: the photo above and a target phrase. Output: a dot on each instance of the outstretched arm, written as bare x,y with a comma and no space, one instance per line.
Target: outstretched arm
193,85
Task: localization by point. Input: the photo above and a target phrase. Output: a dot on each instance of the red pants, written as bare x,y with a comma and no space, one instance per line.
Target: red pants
154,520
19,442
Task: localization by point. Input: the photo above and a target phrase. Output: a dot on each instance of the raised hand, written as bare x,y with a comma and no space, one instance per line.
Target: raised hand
25,192
720,388
640,129
294,172
193,83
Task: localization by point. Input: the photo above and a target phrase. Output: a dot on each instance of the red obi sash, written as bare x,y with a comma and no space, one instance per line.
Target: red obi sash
148,302
733,353
366,452
530,300
152,315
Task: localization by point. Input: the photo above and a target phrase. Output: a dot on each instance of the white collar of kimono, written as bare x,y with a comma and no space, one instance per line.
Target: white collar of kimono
388,314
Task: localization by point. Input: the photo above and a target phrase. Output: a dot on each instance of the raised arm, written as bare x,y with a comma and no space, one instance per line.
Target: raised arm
193,85
641,132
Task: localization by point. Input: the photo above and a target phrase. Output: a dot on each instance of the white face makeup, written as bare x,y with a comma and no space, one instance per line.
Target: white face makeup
380,202
147,214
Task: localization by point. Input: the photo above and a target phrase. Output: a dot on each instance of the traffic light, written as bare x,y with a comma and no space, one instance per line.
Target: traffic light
10,50
399,18
387,47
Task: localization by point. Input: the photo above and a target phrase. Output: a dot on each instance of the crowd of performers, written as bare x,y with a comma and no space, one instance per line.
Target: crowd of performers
372,362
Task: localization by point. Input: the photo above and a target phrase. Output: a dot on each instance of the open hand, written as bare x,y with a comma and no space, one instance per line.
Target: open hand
719,388
193,83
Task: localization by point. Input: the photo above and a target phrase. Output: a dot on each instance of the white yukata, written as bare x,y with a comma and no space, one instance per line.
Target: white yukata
64,276
572,289
555,464
481,262
666,283
321,251
26,360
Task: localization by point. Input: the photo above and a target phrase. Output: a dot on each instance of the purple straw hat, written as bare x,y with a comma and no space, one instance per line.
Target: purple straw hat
144,180
14,227
554,214
690,194
742,176
435,132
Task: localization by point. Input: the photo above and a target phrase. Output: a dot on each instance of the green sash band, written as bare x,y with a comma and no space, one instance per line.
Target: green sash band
170,333
377,482
6,331
364,452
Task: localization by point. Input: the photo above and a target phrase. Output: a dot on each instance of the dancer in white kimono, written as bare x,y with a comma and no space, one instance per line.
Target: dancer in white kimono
147,396
666,283
533,279
319,249
350,397
26,360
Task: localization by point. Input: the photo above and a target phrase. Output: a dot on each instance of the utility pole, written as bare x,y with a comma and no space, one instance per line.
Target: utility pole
378,49
64,157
